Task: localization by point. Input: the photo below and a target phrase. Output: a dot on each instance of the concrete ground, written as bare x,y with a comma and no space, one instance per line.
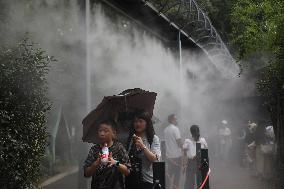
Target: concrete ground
68,182
222,177
234,177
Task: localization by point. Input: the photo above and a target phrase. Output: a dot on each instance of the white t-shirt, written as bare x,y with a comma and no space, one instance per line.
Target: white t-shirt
190,146
224,134
172,134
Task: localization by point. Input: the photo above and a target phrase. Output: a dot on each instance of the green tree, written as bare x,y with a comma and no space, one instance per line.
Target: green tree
257,31
23,108
254,26
271,83
220,16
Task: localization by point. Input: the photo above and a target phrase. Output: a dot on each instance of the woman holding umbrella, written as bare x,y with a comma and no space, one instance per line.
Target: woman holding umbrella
144,149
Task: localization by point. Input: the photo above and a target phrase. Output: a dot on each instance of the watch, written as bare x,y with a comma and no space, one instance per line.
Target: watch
117,163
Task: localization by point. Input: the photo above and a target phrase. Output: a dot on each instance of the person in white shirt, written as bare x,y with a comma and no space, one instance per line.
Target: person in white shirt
173,150
189,147
225,140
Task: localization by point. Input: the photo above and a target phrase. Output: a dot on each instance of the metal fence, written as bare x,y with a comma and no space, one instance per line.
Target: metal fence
195,24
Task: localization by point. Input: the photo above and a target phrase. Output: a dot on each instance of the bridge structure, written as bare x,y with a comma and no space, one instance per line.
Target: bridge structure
179,20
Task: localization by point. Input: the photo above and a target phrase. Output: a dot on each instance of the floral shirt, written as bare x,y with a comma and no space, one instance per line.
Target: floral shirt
105,174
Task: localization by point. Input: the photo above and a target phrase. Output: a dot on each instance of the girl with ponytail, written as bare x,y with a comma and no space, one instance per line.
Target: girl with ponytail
189,147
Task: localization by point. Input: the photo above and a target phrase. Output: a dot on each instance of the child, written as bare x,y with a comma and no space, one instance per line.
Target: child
190,151
110,175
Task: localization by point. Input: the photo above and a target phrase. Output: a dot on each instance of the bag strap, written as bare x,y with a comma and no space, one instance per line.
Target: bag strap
129,147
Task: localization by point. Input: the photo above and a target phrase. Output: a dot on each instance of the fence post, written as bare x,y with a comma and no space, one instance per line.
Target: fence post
198,164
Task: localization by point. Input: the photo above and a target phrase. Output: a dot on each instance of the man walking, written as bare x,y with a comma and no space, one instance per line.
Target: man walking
173,150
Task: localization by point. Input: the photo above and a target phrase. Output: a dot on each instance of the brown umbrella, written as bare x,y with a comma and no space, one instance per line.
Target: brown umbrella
112,107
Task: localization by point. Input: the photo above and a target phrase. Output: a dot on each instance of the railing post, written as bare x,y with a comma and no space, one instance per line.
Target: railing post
180,72
198,164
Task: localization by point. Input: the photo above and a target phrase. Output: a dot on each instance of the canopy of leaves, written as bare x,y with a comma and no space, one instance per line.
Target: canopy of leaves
271,84
23,108
258,31
255,24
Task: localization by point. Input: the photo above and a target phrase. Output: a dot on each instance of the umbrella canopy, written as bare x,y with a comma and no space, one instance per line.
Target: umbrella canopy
117,108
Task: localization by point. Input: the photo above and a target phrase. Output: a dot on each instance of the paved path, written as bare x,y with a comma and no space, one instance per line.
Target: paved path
69,182
234,177
222,177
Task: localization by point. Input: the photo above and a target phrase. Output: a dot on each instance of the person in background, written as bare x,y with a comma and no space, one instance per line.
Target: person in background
269,150
250,145
109,175
241,144
144,149
173,150
260,142
189,147
225,140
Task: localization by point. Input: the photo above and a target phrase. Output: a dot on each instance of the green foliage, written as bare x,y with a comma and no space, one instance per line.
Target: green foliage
23,108
271,84
219,15
254,25
258,32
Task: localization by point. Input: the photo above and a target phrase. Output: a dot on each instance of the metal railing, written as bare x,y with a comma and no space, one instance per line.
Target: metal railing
191,20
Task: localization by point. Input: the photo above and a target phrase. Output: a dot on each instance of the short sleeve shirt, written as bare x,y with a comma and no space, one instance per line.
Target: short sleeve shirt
147,166
190,146
172,134
118,152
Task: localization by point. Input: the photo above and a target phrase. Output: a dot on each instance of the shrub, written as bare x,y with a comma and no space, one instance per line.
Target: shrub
23,108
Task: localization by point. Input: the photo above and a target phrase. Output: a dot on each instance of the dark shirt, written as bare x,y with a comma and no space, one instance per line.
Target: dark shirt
260,137
105,174
250,137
